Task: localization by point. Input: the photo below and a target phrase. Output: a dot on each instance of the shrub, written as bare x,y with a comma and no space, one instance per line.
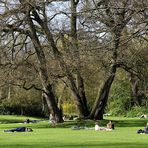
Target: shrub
137,111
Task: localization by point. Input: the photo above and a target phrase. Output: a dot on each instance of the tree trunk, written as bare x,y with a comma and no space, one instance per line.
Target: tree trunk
47,88
80,95
101,101
81,91
52,104
80,102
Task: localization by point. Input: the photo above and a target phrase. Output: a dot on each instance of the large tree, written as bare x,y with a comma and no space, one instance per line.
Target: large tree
24,19
114,18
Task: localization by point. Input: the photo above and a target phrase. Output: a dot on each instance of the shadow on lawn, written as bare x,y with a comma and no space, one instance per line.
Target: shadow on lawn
91,123
118,123
7,121
111,145
88,123
86,145
131,123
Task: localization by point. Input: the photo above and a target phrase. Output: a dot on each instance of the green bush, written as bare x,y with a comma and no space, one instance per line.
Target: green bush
137,111
120,96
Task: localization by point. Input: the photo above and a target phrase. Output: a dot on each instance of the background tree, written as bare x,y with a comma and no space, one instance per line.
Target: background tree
47,44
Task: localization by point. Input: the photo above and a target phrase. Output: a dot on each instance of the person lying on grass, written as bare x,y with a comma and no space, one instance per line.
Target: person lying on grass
99,128
145,131
19,129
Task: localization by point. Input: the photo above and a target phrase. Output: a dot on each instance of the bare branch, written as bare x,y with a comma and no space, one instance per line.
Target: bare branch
31,87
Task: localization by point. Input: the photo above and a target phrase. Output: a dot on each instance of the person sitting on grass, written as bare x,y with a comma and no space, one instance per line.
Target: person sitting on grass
19,129
99,128
27,121
146,129
110,125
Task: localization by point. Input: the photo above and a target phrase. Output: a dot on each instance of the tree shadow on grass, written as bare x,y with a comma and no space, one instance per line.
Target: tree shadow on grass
8,121
131,123
110,145
87,123
118,123
85,145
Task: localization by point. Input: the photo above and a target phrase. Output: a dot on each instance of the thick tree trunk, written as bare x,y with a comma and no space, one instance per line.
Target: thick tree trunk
47,88
80,95
80,102
81,92
101,101
83,112
64,67
52,104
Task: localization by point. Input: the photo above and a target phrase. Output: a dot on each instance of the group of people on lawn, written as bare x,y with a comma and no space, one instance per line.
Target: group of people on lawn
110,126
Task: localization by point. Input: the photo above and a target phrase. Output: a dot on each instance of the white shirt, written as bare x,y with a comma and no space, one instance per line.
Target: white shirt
97,127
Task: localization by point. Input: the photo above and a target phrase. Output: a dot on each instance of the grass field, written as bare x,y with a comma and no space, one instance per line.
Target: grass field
44,136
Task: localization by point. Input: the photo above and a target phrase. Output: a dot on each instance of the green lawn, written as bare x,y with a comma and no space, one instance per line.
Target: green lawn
63,136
